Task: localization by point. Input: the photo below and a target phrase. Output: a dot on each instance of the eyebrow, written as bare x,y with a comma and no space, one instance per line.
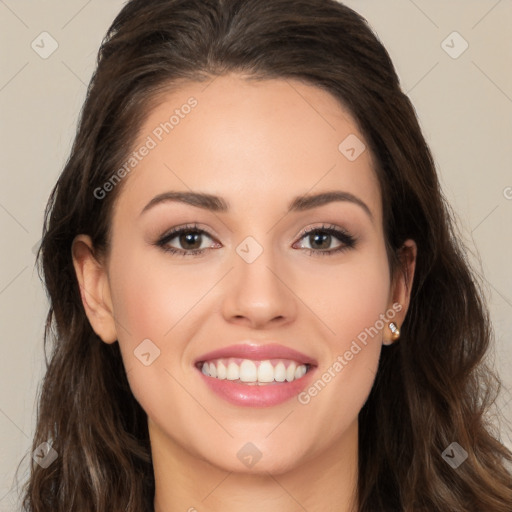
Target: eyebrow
307,202
218,204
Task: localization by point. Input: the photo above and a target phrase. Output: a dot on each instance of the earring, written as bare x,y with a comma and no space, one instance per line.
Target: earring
394,330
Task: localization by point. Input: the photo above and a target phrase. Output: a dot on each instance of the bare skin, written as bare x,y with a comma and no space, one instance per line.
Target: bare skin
257,145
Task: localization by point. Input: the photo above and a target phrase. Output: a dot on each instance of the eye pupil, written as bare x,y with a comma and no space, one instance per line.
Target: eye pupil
190,238
325,236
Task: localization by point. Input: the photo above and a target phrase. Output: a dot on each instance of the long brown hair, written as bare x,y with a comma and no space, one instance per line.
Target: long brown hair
432,388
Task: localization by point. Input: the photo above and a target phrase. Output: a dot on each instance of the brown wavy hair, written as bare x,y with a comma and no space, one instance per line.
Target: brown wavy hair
433,387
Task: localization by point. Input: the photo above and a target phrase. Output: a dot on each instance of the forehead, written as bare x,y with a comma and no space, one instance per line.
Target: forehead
257,143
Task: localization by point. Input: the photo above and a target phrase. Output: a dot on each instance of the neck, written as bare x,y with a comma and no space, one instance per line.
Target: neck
187,483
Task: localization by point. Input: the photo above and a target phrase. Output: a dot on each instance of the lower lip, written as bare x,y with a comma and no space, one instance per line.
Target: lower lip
255,395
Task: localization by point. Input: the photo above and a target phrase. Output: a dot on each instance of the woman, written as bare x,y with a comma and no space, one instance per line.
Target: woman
320,344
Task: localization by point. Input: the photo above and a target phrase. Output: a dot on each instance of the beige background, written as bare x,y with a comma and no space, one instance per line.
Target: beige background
464,105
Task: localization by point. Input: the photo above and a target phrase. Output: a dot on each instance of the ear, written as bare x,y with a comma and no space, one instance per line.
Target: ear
94,288
401,285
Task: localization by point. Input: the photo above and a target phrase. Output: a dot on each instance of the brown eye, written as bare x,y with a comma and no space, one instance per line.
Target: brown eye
320,240
190,240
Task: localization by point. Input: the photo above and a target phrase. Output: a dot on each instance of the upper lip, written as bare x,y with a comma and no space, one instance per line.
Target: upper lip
254,351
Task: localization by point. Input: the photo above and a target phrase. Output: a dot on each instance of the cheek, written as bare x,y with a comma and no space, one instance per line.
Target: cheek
349,297
353,306
153,301
152,305
151,296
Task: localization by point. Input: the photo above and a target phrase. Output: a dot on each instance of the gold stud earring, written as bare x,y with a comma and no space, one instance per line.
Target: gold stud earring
395,331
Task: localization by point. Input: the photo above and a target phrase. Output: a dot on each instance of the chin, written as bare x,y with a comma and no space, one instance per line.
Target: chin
248,459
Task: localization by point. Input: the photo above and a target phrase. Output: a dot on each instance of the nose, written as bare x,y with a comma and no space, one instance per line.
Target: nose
258,294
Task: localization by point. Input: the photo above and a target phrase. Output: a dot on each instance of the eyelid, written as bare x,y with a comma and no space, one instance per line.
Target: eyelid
174,232
192,226
322,227
347,240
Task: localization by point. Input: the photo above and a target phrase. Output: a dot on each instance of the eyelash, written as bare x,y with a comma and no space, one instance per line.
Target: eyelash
348,241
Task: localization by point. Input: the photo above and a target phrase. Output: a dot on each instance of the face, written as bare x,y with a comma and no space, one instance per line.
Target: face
259,266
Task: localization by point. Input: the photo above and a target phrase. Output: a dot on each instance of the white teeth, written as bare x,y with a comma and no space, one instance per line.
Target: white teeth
290,372
221,370
254,372
265,372
280,372
248,371
300,371
233,371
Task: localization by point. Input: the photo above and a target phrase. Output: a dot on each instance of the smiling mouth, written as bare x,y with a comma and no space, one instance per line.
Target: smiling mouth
254,372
